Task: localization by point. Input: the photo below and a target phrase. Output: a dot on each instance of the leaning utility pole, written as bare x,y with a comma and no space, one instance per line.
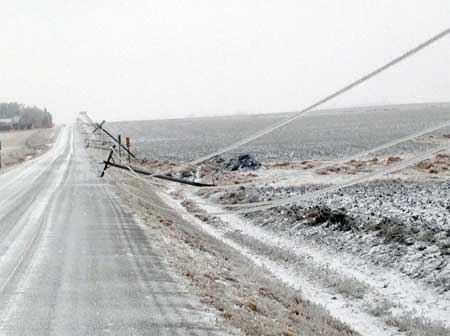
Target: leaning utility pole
100,126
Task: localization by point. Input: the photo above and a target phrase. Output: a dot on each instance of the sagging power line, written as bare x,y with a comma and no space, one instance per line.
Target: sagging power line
322,101
388,170
345,159
258,206
299,114
243,208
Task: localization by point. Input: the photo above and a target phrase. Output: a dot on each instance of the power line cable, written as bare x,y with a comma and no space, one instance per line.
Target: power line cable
294,199
265,205
346,88
341,161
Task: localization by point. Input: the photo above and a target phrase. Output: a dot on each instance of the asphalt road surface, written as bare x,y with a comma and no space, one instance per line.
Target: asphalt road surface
73,262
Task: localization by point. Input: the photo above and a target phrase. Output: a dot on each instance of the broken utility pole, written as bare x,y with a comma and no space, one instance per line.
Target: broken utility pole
110,163
104,131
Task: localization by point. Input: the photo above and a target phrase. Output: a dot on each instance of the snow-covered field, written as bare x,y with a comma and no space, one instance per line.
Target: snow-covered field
375,254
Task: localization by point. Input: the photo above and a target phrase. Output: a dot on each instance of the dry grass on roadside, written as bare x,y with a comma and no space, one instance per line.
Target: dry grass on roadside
246,296
414,326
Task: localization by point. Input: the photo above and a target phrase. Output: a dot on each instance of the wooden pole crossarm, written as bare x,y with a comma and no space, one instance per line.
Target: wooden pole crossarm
107,162
98,126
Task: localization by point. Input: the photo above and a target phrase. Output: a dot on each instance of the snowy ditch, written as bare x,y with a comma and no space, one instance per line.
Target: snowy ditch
371,299
398,224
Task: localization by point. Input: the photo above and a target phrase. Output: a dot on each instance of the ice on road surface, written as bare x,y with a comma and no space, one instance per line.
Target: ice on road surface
73,262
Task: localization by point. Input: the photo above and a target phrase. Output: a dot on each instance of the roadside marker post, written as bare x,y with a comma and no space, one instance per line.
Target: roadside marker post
128,147
119,139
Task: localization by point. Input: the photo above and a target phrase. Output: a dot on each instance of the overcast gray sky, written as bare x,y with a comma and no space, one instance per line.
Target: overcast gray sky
142,59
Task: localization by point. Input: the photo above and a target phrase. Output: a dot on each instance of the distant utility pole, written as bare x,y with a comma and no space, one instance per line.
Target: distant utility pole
0,154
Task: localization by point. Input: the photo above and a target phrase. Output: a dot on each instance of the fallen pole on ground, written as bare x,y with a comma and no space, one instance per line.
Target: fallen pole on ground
159,176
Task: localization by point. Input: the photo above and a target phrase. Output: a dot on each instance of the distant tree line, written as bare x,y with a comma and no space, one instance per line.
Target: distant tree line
19,116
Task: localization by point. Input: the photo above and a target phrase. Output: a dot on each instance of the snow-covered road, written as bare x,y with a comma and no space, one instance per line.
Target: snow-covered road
73,261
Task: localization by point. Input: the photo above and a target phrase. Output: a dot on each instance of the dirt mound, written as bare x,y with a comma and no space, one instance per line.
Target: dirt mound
242,162
339,219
